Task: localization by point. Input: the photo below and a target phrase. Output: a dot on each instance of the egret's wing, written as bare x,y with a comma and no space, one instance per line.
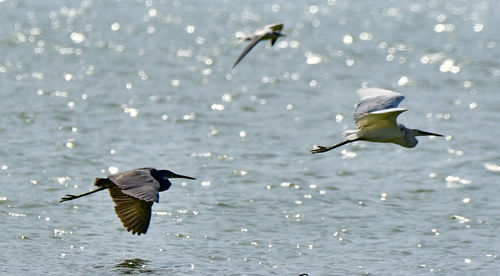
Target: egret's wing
375,99
135,214
373,92
138,183
380,118
250,46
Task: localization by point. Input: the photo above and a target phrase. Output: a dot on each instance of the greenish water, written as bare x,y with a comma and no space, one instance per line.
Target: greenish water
89,87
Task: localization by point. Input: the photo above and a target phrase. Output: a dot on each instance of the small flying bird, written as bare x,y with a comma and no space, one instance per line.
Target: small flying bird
271,32
375,116
134,192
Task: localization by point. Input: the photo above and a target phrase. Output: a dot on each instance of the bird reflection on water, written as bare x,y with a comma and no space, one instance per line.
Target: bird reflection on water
134,192
134,265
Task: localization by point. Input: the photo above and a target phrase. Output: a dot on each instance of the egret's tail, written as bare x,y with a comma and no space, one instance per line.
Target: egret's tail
350,134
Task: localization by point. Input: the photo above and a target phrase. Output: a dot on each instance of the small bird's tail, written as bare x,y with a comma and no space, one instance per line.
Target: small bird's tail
240,39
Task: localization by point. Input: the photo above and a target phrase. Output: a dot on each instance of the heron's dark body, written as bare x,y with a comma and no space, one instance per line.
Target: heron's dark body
134,193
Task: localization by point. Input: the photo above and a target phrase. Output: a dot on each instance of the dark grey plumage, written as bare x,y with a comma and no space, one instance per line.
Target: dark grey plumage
134,193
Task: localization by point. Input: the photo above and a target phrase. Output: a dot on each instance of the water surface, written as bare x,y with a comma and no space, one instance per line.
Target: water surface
93,87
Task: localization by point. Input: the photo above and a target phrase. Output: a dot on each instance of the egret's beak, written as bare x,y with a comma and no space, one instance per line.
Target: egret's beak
425,133
174,175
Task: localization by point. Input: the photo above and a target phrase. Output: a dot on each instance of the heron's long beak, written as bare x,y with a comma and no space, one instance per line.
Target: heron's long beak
425,133
174,175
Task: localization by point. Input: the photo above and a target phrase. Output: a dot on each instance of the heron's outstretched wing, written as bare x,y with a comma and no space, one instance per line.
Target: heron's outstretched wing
138,183
135,214
250,46
379,119
375,99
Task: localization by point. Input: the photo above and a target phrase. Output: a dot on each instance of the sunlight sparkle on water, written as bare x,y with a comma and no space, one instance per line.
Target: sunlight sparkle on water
453,181
217,107
132,112
449,66
312,58
348,39
77,37
205,183
115,26
113,170
348,154
492,167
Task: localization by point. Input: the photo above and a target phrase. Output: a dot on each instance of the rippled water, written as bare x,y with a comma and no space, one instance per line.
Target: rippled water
93,87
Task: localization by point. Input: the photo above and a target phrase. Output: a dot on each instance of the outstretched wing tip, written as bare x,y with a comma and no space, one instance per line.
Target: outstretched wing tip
247,50
374,92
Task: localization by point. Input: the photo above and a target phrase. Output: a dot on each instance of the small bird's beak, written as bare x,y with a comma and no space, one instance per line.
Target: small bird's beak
425,133
174,175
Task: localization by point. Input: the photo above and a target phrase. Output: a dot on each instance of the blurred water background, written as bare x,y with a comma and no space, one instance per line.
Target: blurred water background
90,88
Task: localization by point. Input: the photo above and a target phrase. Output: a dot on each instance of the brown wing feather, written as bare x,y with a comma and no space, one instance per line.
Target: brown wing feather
135,214
138,183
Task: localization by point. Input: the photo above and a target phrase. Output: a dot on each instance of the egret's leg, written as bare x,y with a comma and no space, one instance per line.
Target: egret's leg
320,149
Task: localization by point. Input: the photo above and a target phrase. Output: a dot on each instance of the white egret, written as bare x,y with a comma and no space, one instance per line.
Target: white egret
375,118
271,32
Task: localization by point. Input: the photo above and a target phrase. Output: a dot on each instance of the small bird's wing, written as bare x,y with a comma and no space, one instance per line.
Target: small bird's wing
138,183
276,27
380,119
250,46
273,40
135,214
375,99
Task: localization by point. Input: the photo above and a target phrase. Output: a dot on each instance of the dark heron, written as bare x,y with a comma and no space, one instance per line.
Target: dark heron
375,116
269,32
134,192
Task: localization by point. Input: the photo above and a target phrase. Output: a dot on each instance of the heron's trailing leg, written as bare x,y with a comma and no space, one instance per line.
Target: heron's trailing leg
71,197
320,149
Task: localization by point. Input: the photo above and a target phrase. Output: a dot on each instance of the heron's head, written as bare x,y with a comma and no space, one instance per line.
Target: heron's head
410,134
166,174
162,176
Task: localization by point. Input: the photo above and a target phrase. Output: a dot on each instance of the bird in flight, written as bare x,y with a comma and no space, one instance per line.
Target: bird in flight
375,118
134,192
269,32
